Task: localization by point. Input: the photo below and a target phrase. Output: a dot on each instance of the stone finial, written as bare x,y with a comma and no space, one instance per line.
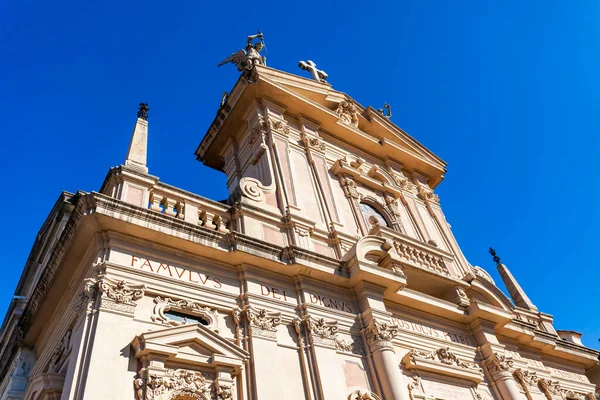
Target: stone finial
138,147
143,111
514,289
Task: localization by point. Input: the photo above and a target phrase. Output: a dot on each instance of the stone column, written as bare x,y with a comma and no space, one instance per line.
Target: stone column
379,336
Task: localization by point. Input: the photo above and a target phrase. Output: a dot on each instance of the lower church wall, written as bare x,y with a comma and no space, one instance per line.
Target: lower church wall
303,339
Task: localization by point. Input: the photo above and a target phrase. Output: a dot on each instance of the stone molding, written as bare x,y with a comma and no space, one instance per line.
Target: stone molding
379,335
163,304
443,361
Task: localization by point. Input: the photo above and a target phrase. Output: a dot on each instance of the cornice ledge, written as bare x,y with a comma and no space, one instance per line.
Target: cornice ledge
295,255
250,245
574,349
114,208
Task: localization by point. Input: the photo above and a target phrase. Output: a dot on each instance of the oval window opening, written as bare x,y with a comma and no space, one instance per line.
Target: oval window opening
185,318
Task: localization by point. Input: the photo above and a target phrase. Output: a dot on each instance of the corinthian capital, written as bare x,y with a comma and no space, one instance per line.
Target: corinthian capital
379,335
499,365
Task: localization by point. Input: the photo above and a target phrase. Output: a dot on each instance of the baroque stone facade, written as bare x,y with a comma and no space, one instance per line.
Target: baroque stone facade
329,273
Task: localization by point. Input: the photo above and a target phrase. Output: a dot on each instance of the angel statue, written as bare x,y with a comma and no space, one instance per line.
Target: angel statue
247,59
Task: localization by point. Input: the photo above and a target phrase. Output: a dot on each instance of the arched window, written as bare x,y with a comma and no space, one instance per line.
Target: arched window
372,216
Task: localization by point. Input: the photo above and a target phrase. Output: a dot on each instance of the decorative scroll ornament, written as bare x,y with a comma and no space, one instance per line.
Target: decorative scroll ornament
121,291
360,395
348,113
60,354
354,347
161,305
498,364
260,321
415,384
86,297
445,356
379,335
350,189
176,382
278,126
321,328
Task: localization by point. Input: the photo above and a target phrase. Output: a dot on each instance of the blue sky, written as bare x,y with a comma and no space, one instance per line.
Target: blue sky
505,92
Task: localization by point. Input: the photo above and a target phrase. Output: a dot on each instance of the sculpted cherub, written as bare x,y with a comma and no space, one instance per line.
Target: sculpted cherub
247,59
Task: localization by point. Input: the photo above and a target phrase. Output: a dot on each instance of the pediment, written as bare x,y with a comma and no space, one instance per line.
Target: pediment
316,101
191,343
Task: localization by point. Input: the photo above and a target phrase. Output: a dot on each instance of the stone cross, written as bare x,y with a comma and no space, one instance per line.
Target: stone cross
317,74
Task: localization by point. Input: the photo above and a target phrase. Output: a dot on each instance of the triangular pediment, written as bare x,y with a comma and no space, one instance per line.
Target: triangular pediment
192,343
317,101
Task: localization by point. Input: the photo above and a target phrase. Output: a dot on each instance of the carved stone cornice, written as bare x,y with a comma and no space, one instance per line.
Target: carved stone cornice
162,304
379,335
175,382
443,361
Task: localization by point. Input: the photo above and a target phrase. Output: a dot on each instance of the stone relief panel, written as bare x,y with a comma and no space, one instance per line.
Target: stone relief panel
60,355
180,382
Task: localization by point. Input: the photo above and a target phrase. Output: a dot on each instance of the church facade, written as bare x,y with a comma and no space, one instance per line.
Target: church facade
329,273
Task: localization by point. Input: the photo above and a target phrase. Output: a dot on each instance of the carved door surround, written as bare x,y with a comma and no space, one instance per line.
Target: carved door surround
190,361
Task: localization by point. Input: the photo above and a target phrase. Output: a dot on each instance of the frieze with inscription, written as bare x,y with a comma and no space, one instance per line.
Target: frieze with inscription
406,325
177,272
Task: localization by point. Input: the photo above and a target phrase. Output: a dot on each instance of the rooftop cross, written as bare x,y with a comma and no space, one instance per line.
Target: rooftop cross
317,74
143,111
493,254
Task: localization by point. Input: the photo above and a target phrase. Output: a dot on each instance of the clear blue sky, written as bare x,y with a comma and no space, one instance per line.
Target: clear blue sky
505,91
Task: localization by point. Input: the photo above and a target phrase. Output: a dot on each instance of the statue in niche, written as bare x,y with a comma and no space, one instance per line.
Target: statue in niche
248,58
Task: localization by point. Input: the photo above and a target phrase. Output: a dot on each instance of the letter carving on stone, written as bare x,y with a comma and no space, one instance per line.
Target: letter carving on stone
348,113
175,382
379,335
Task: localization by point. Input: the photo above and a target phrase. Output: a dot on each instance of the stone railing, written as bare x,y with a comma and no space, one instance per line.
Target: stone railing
416,253
189,207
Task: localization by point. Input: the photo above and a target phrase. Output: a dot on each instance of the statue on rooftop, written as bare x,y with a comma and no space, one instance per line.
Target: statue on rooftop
143,111
317,74
247,59
388,108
